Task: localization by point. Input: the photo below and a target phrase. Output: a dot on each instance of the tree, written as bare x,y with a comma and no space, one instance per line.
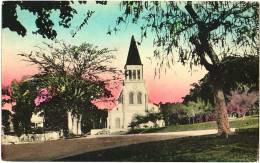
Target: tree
173,113
197,107
136,121
55,116
205,33
42,11
85,61
22,96
202,89
154,117
244,72
72,75
143,119
93,118
6,120
72,70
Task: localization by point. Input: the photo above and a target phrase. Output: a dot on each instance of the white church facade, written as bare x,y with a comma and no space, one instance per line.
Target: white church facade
133,98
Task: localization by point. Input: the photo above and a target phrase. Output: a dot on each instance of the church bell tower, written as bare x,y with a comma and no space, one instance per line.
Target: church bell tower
133,66
133,99
134,94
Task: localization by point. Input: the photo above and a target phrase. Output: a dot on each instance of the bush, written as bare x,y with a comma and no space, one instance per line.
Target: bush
241,101
37,130
140,119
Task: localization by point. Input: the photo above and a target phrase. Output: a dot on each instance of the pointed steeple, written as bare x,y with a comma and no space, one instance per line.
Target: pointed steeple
133,57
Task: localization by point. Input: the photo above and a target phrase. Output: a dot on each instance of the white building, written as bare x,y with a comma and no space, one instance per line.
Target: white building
37,120
133,98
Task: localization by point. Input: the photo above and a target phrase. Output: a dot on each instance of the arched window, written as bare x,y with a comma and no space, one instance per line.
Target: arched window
139,98
131,98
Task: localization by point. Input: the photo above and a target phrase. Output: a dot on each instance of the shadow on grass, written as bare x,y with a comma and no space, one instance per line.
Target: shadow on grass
242,146
246,122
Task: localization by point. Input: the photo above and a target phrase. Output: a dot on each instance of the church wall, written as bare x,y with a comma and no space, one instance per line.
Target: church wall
134,97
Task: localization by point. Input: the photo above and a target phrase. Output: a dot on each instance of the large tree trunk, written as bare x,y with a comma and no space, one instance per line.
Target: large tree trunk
221,110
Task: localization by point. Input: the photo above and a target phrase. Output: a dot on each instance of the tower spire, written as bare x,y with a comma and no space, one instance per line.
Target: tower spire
133,57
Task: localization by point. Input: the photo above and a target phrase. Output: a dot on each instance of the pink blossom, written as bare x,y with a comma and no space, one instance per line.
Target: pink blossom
109,102
115,87
42,97
8,105
6,97
10,90
105,103
240,103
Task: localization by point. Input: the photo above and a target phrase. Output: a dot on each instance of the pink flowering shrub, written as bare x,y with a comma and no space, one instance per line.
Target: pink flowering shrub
42,97
241,102
105,103
109,103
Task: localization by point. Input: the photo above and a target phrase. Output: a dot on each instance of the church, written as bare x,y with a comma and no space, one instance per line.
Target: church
132,101
133,98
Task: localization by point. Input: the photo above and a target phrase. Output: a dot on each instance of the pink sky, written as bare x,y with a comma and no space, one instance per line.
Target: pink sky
169,88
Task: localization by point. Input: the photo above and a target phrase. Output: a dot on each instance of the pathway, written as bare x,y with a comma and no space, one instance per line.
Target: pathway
52,150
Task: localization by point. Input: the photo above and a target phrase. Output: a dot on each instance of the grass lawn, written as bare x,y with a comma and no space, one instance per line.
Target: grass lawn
242,146
247,122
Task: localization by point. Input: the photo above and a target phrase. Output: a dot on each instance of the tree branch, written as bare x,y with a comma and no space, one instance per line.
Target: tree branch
200,51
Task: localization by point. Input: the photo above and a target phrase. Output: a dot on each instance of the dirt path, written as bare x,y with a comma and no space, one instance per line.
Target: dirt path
53,150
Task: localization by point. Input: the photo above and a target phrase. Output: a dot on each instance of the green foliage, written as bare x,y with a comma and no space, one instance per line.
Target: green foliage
200,33
172,112
72,73
23,94
55,115
72,76
193,27
203,89
143,119
238,73
74,94
6,120
42,10
68,94
197,107
37,130
93,118
178,113
84,61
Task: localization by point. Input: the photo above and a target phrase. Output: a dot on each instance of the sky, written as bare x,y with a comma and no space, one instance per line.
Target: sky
171,87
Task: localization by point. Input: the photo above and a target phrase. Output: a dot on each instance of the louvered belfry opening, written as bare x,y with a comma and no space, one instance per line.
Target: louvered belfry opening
133,66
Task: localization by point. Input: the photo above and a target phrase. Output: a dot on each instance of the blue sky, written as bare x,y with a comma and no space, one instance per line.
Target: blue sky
171,87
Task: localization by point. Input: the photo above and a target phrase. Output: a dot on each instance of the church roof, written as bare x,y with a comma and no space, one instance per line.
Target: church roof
133,57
